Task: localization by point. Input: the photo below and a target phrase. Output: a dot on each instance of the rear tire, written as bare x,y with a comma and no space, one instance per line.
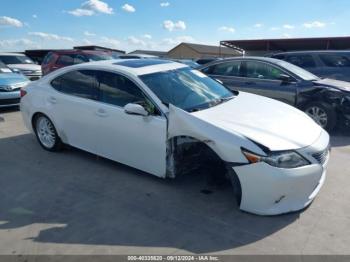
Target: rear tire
46,134
323,114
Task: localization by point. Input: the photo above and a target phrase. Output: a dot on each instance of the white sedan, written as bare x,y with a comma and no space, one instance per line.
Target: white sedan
165,118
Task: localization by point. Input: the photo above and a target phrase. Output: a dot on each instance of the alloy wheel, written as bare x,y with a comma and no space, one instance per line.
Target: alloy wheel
46,132
318,115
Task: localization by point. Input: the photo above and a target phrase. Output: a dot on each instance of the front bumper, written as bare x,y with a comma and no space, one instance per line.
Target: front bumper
8,99
267,190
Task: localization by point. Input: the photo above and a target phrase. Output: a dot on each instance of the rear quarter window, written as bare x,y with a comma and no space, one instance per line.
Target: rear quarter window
80,83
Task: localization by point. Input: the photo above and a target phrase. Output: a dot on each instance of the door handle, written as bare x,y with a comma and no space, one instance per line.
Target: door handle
101,112
52,100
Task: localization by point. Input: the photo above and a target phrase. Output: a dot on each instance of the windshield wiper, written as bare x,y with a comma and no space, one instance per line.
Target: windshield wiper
227,98
220,101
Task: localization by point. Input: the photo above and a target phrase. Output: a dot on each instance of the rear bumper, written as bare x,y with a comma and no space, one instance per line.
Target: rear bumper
8,99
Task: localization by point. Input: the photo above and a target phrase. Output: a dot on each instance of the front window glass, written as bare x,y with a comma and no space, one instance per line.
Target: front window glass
262,71
13,59
187,89
296,70
336,60
118,90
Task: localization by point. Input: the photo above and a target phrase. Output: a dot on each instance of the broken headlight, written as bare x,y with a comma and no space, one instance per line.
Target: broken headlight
286,159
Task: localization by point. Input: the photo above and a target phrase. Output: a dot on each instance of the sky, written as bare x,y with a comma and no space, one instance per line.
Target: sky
162,24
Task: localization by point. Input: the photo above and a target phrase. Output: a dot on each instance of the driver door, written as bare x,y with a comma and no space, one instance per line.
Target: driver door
264,79
134,140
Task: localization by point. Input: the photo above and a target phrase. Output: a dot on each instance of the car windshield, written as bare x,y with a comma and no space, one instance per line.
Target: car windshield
99,57
14,59
4,68
187,89
302,73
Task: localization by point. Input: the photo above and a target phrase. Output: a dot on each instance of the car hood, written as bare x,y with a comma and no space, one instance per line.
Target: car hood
12,78
29,67
268,122
337,84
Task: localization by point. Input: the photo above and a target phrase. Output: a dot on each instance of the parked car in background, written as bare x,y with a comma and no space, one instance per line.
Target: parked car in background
58,59
203,61
22,64
324,100
164,118
10,86
138,56
188,62
325,64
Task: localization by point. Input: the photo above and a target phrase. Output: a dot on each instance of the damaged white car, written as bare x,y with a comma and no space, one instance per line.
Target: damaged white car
165,118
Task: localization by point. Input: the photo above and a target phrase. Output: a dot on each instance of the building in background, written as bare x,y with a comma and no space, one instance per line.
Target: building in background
197,51
160,54
262,47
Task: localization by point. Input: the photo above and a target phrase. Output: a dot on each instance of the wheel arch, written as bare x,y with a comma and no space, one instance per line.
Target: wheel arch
189,153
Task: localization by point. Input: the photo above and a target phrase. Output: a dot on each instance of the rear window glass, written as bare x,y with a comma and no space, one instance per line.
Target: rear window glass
65,60
336,60
301,60
80,83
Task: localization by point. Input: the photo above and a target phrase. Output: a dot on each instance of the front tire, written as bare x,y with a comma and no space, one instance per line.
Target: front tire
46,134
323,114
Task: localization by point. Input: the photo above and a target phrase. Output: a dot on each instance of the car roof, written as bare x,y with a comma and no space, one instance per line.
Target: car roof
135,67
311,52
12,54
140,55
75,51
256,58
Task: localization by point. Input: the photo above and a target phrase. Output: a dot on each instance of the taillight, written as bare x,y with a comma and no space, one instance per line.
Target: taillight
23,92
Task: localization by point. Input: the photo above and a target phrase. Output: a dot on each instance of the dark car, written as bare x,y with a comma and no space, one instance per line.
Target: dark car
325,64
58,59
188,62
203,61
325,100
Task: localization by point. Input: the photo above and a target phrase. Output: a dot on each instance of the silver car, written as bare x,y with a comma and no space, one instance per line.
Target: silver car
10,86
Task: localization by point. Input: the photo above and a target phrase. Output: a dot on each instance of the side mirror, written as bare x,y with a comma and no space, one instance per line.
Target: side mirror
285,78
135,109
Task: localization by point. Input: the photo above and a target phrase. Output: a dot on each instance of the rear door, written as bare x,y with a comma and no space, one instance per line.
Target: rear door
74,106
264,79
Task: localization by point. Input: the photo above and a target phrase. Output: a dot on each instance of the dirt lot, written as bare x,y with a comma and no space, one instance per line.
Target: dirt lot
75,203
